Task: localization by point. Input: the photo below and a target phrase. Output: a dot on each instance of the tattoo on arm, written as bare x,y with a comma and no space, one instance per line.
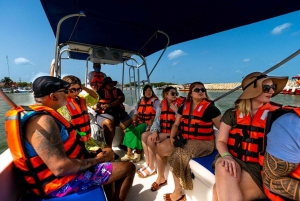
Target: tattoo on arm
85,165
276,177
49,145
49,138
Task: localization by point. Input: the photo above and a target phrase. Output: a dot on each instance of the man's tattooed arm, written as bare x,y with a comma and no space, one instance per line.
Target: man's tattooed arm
44,135
276,177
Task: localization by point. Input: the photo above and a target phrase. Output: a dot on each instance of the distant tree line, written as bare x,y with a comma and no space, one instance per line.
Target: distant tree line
9,83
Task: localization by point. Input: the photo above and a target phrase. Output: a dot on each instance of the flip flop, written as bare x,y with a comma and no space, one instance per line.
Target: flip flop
143,174
155,186
167,197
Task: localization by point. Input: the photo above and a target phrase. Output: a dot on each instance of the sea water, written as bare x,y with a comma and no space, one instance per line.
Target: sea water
222,104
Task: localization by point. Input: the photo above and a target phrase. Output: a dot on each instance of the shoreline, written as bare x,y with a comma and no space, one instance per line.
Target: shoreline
225,86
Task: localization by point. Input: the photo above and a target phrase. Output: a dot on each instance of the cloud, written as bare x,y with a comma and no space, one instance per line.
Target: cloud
22,61
175,63
278,30
176,54
295,33
246,60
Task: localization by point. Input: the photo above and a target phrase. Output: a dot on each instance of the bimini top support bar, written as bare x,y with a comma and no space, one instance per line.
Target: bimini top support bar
81,14
162,51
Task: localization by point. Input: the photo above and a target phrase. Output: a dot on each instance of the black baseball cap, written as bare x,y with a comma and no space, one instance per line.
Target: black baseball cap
46,85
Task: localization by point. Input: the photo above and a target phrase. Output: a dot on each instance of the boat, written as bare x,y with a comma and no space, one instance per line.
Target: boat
292,88
7,90
186,87
113,32
23,90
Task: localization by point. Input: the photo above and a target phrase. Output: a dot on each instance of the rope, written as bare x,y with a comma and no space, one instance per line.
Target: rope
74,27
148,41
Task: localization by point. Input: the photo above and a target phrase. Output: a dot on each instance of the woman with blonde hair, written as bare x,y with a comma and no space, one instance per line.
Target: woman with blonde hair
160,130
195,120
241,139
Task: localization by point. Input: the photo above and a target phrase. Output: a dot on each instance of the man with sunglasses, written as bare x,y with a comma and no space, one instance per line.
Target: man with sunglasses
49,154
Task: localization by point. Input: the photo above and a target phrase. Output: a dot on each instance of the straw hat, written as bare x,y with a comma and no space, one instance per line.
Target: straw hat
252,84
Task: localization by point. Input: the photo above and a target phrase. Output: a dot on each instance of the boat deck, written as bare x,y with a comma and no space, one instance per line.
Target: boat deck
141,186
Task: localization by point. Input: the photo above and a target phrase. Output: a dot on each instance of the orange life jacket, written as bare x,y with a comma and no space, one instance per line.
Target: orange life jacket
80,119
145,110
246,140
192,125
38,176
296,173
97,79
167,115
107,100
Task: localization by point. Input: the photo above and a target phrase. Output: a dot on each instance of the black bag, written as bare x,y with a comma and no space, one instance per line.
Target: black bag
179,141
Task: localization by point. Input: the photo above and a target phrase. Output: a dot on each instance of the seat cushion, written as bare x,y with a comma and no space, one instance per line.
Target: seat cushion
207,161
92,194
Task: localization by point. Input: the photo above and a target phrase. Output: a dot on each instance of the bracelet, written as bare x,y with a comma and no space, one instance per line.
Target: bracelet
226,154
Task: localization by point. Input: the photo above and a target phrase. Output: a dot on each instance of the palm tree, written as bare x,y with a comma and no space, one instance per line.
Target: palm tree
7,82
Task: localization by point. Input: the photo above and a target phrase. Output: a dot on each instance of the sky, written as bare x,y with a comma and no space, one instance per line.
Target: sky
27,48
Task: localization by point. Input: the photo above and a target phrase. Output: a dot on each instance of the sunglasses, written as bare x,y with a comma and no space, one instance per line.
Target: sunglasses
197,90
73,90
63,90
267,88
174,93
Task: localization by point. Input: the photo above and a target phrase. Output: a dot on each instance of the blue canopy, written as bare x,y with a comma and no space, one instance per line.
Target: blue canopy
128,25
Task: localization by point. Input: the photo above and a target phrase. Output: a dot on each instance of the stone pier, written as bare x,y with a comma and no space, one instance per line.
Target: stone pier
222,86
232,85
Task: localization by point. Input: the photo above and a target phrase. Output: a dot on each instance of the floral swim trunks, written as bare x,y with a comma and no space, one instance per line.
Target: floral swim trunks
97,176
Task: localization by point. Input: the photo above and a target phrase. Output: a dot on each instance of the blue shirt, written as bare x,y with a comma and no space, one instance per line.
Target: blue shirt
284,138
28,148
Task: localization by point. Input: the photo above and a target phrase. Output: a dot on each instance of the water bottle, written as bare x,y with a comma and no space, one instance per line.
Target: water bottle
101,138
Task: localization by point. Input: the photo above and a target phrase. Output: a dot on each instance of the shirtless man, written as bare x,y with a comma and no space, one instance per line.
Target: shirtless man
51,144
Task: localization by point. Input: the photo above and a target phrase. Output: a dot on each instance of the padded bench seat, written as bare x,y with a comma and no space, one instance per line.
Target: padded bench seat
92,194
207,163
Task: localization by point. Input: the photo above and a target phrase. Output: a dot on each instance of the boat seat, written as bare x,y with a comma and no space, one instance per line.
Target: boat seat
198,165
92,194
207,161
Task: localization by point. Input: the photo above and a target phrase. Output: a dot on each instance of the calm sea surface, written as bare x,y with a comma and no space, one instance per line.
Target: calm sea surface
222,104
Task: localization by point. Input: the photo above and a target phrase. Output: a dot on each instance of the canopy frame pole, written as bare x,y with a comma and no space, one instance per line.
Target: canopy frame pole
56,53
162,51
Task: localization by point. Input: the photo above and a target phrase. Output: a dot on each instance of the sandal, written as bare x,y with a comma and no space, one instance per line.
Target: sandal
167,197
143,174
126,158
145,165
155,186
